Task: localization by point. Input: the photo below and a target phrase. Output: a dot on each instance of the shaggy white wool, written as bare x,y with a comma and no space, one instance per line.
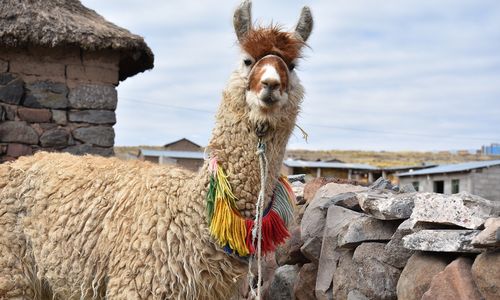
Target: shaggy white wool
91,227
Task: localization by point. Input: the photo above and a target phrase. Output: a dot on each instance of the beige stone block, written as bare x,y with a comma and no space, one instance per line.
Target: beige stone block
91,74
33,68
62,55
104,58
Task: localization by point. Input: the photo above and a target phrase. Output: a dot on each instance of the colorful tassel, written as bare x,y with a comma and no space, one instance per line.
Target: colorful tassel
234,232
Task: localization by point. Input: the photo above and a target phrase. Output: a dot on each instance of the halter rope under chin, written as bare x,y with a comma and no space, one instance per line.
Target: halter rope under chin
243,237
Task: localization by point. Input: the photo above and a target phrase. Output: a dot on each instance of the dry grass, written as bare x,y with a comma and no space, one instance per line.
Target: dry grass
380,159
386,158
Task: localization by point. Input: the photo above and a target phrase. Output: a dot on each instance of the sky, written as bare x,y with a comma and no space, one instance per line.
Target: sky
415,75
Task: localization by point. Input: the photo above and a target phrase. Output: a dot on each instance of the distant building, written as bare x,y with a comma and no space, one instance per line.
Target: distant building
493,149
183,153
391,173
477,177
183,145
359,172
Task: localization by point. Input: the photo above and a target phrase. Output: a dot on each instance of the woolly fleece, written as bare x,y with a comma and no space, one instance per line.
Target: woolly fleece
88,227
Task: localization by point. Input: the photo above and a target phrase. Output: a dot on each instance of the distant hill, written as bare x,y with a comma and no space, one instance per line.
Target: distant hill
375,158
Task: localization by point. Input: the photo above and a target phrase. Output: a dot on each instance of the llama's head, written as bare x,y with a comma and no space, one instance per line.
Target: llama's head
273,90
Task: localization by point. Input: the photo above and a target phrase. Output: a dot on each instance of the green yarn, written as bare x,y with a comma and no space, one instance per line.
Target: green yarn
211,198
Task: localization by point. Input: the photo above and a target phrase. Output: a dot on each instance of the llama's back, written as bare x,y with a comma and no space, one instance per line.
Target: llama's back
70,214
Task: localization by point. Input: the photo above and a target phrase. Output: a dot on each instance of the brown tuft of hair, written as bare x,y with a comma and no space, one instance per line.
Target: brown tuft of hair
260,42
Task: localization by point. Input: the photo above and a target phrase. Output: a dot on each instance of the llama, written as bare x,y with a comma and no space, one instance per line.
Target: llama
91,227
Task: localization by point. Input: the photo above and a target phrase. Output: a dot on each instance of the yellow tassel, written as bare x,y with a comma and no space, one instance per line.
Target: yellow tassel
223,190
229,228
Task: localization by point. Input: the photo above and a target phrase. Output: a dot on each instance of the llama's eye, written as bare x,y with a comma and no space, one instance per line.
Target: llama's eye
291,67
247,62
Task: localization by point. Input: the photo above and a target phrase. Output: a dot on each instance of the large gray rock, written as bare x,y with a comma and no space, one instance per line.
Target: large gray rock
97,135
386,205
454,282
344,280
337,218
297,178
489,236
463,209
417,275
93,96
356,295
54,138
46,94
442,240
11,89
298,190
306,280
364,229
407,188
311,249
281,287
381,184
348,200
374,278
8,112
485,272
92,116
289,253
17,132
59,117
396,254
313,221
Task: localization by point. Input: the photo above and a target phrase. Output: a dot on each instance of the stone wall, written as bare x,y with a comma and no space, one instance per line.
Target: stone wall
486,183
386,242
57,99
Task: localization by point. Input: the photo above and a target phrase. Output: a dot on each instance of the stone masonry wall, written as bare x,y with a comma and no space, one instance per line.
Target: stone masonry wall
57,99
385,242
486,183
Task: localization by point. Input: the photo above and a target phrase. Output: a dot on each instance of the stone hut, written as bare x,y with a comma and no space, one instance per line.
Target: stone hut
60,63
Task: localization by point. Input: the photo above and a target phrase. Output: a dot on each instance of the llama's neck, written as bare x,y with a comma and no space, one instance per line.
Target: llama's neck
234,143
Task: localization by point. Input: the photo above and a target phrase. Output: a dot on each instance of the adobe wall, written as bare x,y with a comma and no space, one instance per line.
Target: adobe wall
57,99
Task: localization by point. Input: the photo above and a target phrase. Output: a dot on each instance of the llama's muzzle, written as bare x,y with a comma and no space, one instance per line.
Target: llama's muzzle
268,80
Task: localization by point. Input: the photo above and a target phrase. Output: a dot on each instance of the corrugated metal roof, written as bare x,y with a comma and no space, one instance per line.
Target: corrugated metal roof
417,167
173,154
453,168
323,164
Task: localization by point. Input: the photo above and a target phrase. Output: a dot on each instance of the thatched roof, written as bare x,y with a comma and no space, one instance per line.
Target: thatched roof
53,23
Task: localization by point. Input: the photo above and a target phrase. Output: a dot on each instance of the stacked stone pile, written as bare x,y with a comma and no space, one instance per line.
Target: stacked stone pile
66,105
388,242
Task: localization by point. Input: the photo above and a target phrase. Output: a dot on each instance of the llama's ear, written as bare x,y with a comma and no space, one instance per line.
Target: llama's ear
242,19
305,24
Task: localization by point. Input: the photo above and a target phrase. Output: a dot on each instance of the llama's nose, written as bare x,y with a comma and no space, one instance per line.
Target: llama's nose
270,84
